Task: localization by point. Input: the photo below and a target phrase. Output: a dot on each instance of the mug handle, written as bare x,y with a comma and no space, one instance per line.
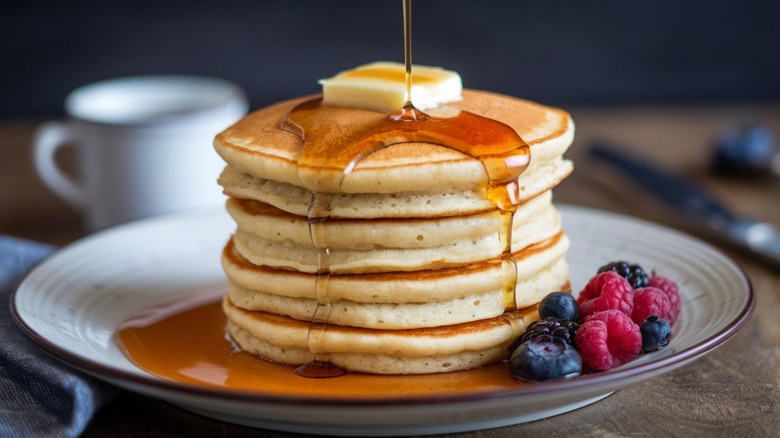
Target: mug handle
48,139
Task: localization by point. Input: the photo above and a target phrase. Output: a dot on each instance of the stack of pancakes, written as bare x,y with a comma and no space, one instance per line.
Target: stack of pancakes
415,280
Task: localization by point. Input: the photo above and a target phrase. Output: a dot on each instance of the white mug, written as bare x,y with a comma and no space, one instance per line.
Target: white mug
143,146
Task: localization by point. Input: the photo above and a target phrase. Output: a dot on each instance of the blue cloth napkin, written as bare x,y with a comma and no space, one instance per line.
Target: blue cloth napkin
39,395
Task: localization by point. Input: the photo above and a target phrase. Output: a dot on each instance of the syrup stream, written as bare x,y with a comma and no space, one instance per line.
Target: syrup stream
407,10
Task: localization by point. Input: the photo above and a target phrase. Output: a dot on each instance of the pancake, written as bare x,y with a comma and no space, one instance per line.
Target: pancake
272,224
543,269
450,202
405,287
274,248
256,145
415,351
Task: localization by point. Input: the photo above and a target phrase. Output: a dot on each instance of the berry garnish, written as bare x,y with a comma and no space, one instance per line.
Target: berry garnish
633,273
549,326
608,339
561,305
622,313
650,301
545,358
656,333
672,292
606,291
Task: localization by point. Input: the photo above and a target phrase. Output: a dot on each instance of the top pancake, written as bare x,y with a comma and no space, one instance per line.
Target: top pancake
258,146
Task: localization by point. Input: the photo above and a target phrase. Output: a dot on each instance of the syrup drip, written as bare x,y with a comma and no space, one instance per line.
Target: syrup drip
320,367
328,155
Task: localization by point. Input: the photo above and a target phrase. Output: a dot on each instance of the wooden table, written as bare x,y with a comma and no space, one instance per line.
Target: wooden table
733,391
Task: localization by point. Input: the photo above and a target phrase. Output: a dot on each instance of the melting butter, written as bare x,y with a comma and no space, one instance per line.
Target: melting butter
381,86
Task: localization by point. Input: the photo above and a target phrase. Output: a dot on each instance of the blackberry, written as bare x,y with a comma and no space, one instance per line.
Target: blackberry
633,273
549,326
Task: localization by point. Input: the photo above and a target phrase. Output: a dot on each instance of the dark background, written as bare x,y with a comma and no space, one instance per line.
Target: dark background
558,52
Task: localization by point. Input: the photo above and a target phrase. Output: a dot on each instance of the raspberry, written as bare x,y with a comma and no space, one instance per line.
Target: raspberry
633,273
650,301
672,292
608,339
606,291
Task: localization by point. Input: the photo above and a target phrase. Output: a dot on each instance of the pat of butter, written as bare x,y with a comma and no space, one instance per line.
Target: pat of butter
381,86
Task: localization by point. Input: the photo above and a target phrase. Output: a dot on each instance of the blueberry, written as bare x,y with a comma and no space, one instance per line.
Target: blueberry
559,305
656,333
745,151
545,358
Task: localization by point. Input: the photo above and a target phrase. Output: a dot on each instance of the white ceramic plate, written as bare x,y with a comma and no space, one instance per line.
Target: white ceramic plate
72,304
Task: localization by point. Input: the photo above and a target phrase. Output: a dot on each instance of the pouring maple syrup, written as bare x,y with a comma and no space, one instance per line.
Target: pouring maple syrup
324,163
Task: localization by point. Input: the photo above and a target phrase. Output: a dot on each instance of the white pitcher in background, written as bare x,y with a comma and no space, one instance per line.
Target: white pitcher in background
143,146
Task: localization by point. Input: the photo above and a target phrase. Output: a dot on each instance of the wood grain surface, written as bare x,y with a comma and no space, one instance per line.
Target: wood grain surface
732,391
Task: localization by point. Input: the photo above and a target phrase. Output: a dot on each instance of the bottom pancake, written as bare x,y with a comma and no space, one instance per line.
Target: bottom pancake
410,351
